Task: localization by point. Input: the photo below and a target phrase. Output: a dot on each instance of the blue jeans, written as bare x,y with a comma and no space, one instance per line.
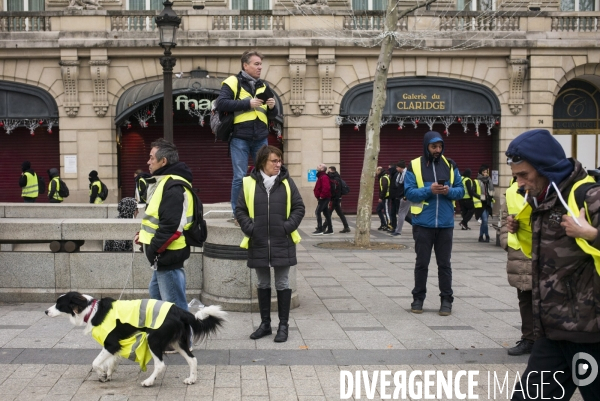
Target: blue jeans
169,285
240,150
484,229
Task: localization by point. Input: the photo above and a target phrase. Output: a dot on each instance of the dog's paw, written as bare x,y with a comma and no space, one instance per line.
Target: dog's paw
103,378
148,383
190,380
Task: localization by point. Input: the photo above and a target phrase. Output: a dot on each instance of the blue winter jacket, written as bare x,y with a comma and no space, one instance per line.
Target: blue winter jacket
439,210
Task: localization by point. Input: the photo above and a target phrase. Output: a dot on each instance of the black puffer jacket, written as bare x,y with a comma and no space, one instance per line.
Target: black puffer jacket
269,232
254,130
169,216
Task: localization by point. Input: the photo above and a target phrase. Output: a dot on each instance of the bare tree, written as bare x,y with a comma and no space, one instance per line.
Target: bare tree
367,177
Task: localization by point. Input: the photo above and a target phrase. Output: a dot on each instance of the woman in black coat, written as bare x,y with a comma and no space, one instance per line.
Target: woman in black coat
270,227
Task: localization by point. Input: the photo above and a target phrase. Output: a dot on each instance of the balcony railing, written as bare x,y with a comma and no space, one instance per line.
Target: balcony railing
25,22
249,20
479,22
136,21
579,23
371,21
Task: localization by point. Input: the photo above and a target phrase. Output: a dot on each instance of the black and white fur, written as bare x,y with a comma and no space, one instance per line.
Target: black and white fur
175,331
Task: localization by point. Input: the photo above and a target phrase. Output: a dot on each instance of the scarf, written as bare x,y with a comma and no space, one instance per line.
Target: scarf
268,181
251,80
400,177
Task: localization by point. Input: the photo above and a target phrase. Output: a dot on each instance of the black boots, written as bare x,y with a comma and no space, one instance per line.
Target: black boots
523,347
264,305
284,298
445,307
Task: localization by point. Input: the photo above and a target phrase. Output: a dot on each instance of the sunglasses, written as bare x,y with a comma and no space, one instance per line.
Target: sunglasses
514,160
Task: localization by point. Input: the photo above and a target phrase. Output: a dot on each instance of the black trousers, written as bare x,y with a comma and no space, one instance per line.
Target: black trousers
336,204
526,309
550,368
383,212
323,207
394,207
466,210
440,239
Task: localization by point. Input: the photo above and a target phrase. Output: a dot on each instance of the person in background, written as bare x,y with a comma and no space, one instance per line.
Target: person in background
29,183
431,183
336,200
95,188
270,210
141,185
483,200
126,208
384,195
322,192
467,209
518,267
54,186
404,204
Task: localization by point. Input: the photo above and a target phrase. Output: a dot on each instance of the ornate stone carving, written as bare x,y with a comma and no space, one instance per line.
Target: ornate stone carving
517,71
70,72
326,70
297,74
99,74
83,4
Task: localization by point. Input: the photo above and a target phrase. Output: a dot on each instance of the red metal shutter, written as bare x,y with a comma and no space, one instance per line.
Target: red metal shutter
208,160
466,149
41,150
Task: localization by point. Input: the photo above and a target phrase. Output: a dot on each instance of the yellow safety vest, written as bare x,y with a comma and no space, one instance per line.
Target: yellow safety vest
148,313
249,184
387,194
56,195
98,199
416,208
138,193
467,195
31,190
515,203
151,218
583,244
248,115
477,201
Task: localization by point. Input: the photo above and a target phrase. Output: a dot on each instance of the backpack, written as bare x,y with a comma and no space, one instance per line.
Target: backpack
41,185
63,192
103,194
336,190
221,122
197,233
345,187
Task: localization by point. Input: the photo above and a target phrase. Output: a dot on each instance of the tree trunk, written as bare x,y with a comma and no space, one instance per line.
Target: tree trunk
367,177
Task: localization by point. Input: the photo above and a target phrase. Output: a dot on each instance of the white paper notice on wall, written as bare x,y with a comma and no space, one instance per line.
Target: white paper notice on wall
495,177
70,164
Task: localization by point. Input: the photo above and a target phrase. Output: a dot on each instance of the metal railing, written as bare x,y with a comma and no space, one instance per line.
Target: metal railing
588,23
249,21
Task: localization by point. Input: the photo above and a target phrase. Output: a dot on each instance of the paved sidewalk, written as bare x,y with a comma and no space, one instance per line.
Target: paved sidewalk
354,315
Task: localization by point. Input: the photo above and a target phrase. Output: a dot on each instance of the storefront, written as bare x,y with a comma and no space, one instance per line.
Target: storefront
466,114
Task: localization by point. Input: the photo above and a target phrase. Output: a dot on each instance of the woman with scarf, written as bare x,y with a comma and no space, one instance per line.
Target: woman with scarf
126,209
483,199
269,211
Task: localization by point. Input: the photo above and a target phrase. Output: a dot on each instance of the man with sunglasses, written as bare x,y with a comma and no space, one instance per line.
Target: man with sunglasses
565,278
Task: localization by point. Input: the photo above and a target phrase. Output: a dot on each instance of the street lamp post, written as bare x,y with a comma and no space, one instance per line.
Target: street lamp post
168,23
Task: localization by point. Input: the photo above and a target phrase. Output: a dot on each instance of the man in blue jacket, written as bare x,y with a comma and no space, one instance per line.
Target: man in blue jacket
431,183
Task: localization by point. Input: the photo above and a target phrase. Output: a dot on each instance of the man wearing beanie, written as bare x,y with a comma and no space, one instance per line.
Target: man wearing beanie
431,183
95,187
29,183
565,279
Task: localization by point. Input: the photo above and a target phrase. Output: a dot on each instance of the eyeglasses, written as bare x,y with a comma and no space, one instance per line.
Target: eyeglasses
514,160
276,161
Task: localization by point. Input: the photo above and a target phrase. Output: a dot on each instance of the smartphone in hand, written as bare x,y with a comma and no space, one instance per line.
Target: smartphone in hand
441,182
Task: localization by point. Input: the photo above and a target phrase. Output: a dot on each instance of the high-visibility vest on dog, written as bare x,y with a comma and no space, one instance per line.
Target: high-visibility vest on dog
147,313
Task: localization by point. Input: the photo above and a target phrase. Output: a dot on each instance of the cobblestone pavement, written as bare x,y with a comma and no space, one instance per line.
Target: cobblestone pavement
354,315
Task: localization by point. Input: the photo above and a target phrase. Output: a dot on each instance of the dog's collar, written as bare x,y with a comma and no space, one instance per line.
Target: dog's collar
87,317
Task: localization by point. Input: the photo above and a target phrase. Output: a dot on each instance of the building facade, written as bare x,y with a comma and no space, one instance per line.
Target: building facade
81,85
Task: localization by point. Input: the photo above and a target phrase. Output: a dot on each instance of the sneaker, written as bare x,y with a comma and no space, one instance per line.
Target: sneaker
317,233
463,227
395,234
345,230
417,306
330,232
382,227
523,347
390,228
445,308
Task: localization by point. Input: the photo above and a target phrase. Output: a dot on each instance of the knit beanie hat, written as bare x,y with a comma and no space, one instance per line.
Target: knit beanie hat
540,149
93,174
25,166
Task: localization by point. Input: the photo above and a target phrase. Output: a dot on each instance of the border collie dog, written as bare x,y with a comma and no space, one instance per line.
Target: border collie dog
139,330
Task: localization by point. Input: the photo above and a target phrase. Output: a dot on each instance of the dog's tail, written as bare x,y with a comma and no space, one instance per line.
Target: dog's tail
207,321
